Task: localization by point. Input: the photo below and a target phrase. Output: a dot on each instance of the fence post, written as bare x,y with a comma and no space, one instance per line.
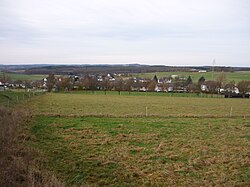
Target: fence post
231,111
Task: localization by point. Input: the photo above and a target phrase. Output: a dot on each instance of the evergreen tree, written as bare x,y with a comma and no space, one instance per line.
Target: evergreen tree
155,79
201,80
189,81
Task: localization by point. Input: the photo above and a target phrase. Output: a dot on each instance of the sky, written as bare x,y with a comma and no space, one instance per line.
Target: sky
155,32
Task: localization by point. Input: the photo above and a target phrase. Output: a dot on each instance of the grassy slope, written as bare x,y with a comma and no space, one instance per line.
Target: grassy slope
139,151
10,98
13,97
236,76
115,105
145,151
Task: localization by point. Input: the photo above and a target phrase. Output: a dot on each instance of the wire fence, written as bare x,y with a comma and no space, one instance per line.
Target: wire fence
137,93
11,98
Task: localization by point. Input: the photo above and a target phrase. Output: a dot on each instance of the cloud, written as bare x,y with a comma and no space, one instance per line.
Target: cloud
152,31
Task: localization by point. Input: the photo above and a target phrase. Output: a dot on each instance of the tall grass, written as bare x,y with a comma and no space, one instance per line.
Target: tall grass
11,98
17,160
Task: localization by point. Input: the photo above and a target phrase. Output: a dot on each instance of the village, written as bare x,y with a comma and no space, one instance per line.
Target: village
125,82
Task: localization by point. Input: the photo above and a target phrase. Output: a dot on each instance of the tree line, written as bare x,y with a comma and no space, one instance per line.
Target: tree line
219,85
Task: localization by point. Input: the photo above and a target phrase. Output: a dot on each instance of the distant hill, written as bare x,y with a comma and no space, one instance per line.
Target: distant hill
106,68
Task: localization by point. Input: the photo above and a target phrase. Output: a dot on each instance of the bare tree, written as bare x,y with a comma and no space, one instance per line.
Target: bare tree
86,82
221,80
244,87
51,80
4,79
151,85
27,84
193,88
64,83
93,83
119,85
128,85
229,87
80,83
212,86
105,85
36,84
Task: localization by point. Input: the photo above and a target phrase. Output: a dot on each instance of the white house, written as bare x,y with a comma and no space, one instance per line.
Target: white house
204,88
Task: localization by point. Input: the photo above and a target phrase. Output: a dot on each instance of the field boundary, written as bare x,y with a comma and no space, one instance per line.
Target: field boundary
145,94
138,115
12,98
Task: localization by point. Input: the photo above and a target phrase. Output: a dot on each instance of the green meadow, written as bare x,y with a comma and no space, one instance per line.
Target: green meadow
67,104
236,76
143,140
142,151
230,76
17,76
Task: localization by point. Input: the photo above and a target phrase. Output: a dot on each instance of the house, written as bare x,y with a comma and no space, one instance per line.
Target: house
232,90
204,88
170,89
143,89
164,87
158,88
165,80
2,86
174,76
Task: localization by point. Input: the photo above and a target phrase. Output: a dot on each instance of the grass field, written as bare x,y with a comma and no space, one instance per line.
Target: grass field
144,151
15,76
116,105
107,140
136,93
236,76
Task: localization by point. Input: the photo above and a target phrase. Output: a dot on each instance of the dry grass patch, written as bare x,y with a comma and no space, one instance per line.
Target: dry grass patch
17,163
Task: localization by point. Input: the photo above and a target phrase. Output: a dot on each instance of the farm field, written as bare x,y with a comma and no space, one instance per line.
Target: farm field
236,76
136,93
15,76
107,140
144,151
125,105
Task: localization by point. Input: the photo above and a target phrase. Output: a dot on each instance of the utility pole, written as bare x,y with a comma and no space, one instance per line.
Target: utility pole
4,80
213,69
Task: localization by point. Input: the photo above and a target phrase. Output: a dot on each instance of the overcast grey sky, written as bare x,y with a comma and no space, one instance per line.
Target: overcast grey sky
168,32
